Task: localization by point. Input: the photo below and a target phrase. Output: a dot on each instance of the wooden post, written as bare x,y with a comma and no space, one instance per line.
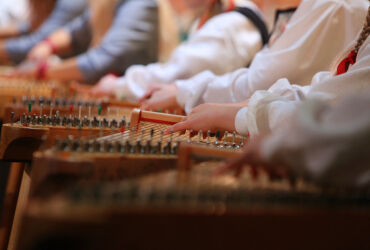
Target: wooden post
10,202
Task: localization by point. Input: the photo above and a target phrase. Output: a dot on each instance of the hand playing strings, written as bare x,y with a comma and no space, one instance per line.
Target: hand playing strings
252,158
105,87
161,97
210,116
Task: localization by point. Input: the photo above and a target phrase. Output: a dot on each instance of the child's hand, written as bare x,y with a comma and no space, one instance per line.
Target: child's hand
161,97
40,52
210,116
105,87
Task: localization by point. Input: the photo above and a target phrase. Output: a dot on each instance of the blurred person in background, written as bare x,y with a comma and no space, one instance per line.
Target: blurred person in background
109,36
225,36
44,17
13,15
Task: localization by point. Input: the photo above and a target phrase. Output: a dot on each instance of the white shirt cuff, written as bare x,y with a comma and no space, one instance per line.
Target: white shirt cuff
241,124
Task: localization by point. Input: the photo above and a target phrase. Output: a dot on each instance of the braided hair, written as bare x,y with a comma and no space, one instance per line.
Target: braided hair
344,65
364,33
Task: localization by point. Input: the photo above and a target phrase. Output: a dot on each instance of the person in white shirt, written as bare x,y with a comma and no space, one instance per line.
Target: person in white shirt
224,43
318,31
327,144
13,12
268,110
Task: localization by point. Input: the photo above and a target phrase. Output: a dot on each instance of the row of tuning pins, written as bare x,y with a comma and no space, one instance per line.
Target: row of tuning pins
55,102
127,146
219,142
72,121
133,193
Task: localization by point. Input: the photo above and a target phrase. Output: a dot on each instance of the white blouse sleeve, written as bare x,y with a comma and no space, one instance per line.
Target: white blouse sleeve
267,110
225,43
328,144
315,35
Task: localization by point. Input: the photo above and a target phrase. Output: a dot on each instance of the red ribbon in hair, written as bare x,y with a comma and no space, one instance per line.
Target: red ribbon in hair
346,62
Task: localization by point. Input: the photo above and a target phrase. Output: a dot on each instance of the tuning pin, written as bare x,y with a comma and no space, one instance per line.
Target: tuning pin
48,102
39,120
200,136
105,123
99,110
75,145
87,146
57,118
64,145
167,148
64,121
49,120
176,146
158,148
44,120
234,140
41,108
122,126
79,110
34,119
89,111
101,128
208,137
148,146
138,146
33,100
75,121
69,121
128,147
29,107
41,100
24,100
95,122
218,136
58,103
86,121
113,124
23,118
225,138
51,109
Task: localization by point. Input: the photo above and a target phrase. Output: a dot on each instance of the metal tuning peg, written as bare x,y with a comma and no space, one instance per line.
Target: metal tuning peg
200,136
208,137
225,145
